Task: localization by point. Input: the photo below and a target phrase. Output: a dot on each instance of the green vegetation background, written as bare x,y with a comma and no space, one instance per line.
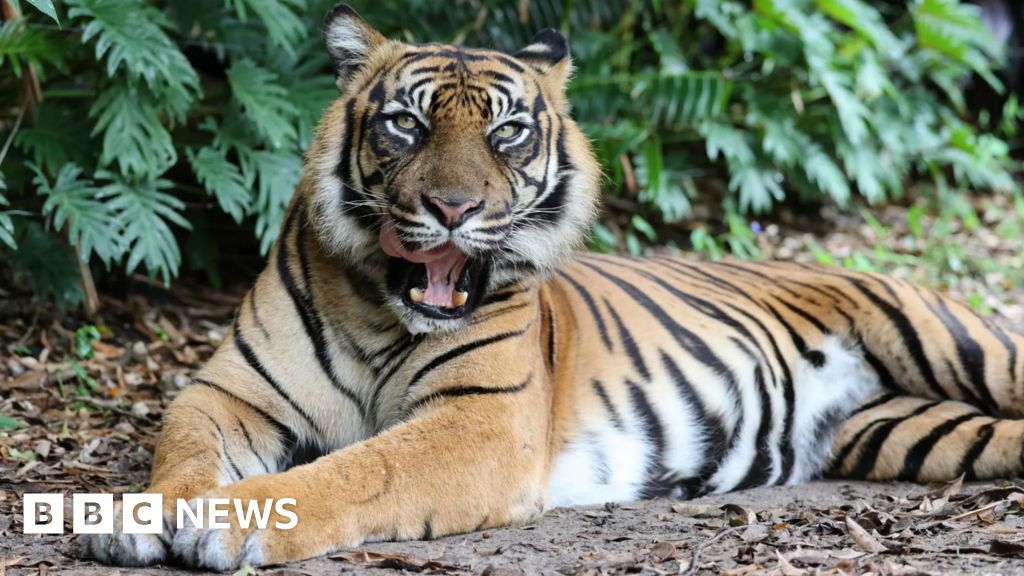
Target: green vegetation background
129,128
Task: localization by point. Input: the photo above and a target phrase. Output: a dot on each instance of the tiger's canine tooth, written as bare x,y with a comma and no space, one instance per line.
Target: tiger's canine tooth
416,294
459,298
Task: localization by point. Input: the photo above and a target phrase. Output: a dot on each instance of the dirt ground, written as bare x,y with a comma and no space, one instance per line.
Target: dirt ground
81,402
790,531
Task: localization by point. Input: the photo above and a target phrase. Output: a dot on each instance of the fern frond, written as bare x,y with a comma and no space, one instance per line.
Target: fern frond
131,35
46,7
58,136
144,215
73,201
222,179
133,136
276,173
264,101
955,30
6,224
20,44
280,17
673,100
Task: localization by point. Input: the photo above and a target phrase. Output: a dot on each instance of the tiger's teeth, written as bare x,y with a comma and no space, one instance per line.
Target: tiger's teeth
416,294
459,298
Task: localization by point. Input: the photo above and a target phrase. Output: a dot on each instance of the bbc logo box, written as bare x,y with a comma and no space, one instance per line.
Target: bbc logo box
92,513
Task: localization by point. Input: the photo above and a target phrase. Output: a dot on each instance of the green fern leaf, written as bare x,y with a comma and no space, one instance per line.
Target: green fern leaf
74,201
56,137
264,102
50,266
6,224
222,179
133,136
46,7
955,30
144,214
20,44
131,35
284,27
822,171
759,187
276,174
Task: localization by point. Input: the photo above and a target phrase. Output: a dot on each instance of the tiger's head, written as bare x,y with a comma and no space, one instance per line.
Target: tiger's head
448,172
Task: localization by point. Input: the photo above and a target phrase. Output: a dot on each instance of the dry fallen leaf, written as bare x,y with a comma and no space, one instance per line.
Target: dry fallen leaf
787,568
862,537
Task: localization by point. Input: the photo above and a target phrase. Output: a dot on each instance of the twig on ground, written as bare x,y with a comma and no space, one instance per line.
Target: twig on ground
695,558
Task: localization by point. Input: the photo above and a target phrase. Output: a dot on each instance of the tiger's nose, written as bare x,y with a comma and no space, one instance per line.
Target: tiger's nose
453,212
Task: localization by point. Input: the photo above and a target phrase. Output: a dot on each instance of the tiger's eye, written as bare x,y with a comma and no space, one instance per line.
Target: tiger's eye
508,130
406,122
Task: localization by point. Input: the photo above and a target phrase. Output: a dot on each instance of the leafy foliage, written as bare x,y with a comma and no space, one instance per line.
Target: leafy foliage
157,114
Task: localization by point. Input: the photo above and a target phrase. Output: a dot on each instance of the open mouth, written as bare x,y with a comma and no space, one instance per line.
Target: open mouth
443,283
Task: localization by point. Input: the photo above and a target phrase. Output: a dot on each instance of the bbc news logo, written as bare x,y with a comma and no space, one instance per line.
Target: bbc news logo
143,513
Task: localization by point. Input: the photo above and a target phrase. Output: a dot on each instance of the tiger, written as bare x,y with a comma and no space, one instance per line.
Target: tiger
428,351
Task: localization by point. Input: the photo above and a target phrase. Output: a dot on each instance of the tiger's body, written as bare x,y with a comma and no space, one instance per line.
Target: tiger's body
424,354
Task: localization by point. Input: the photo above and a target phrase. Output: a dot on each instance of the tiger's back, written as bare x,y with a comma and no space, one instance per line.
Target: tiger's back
695,377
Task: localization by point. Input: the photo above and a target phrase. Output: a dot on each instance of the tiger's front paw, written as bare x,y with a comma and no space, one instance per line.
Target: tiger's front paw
215,548
132,550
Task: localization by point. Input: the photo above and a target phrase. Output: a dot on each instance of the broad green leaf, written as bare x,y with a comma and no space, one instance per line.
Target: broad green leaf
46,7
7,423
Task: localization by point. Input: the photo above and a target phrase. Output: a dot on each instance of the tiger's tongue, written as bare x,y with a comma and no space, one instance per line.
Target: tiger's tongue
444,266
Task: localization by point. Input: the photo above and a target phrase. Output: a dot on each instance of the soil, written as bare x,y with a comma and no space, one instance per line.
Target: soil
80,412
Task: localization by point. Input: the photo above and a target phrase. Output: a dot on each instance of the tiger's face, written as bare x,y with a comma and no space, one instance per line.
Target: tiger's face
449,172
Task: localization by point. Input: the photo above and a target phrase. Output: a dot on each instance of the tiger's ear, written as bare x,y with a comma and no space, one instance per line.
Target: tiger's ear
350,41
548,53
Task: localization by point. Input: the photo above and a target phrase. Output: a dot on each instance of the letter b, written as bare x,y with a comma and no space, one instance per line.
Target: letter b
43,513
92,513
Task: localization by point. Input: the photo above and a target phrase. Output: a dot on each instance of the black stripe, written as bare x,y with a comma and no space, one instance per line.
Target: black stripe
306,308
223,444
255,313
607,402
252,447
872,449
967,463
789,394
461,391
254,362
588,299
552,338
761,466
653,429
629,344
715,436
686,338
463,349
919,452
908,334
972,355
288,437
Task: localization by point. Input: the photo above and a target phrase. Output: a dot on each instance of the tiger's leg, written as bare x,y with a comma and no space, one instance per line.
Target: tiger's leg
210,438
920,440
470,457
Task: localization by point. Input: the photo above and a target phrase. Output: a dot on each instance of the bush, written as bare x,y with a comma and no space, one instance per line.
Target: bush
174,109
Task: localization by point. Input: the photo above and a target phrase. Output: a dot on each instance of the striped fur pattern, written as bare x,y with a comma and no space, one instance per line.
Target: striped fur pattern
567,378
